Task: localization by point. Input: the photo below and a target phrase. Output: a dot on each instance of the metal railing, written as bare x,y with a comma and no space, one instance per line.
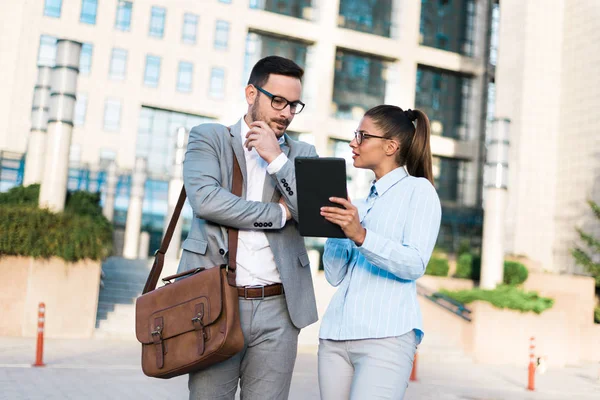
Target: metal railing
445,302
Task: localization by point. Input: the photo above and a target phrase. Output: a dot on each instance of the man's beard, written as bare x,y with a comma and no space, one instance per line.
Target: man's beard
257,116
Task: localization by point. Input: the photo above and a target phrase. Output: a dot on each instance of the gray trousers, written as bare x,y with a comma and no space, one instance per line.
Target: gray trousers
264,367
366,368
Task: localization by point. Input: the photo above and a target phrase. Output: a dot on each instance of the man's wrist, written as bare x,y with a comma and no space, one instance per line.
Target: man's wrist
277,163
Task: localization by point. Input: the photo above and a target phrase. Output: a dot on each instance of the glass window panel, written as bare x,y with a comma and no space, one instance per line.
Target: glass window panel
157,22
359,83
366,16
47,51
445,97
221,35
190,28
118,64
124,11
448,25
52,8
152,73
292,8
80,109
112,115
217,83
184,76
89,8
85,60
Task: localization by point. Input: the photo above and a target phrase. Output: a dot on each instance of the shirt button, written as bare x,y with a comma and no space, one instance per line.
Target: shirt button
286,185
290,192
256,224
270,224
221,251
283,181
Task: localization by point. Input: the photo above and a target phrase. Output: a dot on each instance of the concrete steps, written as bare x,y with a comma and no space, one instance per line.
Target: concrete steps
123,281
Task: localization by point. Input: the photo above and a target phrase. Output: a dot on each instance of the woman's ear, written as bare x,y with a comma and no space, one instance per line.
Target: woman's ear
392,147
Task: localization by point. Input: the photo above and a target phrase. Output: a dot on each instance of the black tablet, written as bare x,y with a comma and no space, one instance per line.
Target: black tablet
318,179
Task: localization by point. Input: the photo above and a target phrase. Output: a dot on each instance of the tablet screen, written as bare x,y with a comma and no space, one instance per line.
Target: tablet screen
318,179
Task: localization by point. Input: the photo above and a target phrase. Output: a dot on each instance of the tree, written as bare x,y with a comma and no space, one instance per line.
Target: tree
589,257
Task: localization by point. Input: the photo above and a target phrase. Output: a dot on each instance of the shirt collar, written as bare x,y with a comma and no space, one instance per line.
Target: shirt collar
246,128
389,180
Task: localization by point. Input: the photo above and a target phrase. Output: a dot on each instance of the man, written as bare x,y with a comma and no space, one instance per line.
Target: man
271,258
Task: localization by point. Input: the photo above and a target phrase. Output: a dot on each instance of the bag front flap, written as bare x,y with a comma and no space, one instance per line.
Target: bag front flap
183,306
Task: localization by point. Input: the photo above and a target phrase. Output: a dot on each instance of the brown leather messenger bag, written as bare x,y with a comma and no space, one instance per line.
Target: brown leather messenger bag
193,321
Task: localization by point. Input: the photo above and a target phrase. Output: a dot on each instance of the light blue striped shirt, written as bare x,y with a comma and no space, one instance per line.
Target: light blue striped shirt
377,294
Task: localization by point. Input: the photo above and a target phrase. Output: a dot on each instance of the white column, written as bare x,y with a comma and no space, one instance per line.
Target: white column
134,211
495,198
110,191
175,185
53,190
144,245
36,143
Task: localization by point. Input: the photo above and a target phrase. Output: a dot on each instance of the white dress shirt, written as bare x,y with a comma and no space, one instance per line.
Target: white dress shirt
255,260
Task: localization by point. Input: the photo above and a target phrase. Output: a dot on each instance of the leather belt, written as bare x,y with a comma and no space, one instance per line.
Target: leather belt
260,292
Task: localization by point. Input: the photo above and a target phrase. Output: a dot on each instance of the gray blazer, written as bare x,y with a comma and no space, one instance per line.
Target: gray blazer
208,175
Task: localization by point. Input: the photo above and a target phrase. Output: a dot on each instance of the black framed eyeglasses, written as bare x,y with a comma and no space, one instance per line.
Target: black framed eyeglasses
360,135
279,103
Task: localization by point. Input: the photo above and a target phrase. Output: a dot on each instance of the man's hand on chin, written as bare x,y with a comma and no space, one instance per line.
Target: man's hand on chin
263,139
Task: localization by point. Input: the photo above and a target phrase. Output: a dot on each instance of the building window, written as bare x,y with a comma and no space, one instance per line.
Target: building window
124,10
495,31
221,35
118,64
225,1
184,76
217,83
366,16
157,22
152,74
444,96
448,175
80,109
47,51
448,25
359,83
292,8
52,8
85,59
190,28
89,8
157,130
112,115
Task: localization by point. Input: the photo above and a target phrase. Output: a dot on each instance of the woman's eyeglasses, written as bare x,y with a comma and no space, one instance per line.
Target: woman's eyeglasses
279,103
361,135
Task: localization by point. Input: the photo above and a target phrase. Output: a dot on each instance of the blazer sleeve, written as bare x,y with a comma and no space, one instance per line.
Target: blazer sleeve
208,199
285,179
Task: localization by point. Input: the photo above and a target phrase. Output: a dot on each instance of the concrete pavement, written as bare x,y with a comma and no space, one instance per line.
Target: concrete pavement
108,369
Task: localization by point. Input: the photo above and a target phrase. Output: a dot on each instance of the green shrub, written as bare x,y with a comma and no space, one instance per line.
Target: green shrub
504,296
21,195
78,233
468,266
515,273
597,315
464,266
437,267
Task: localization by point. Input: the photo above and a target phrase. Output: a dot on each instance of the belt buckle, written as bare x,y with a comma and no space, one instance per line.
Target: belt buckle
254,287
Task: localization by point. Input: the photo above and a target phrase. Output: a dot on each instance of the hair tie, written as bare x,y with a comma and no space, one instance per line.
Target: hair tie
411,115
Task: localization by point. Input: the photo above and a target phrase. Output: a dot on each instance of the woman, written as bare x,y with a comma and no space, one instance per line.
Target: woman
371,329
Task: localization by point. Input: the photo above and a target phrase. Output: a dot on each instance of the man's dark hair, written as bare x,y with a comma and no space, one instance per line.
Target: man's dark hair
273,65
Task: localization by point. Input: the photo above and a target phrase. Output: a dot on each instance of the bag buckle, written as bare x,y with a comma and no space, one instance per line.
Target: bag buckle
254,287
157,331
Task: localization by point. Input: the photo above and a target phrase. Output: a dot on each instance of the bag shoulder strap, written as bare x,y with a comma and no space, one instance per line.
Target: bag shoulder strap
159,256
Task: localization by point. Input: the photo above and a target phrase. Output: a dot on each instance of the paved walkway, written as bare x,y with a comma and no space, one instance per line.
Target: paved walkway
103,369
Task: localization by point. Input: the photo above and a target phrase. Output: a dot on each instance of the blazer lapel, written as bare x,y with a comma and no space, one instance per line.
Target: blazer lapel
238,150
269,193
